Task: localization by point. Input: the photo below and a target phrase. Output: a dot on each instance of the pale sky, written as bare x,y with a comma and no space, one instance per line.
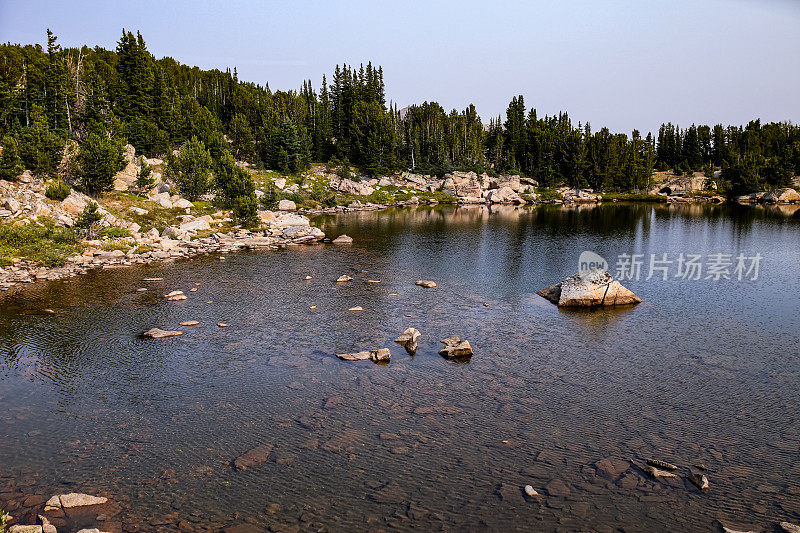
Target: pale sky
621,64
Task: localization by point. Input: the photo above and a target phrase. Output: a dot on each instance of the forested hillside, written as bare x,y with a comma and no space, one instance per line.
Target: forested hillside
105,98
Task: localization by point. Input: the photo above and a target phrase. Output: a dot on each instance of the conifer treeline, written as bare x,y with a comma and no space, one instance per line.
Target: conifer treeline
48,95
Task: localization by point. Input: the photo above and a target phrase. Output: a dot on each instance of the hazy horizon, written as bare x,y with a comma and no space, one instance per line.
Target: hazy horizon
616,65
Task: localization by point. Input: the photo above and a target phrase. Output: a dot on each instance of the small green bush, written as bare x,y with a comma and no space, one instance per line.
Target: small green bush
57,190
65,236
116,244
548,194
114,232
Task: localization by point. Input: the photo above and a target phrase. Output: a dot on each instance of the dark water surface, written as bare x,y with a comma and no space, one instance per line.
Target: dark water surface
701,372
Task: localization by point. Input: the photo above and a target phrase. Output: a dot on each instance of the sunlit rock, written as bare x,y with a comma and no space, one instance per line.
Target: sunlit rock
589,288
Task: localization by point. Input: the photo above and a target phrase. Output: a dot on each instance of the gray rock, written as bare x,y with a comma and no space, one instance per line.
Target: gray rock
589,288
369,355
343,239
661,464
454,347
408,340
12,205
287,205
699,480
156,333
25,529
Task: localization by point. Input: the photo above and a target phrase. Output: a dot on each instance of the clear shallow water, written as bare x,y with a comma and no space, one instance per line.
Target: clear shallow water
700,372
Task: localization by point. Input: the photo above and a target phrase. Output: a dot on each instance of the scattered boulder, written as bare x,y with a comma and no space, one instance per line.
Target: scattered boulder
408,340
426,283
73,499
530,491
156,333
589,288
25,529
286,205
223,325
656,472
343,279
253,457
455,348
368,355
343,239
663,465
356,308
11,204
700,481
175,296
189,323
353,187
198,224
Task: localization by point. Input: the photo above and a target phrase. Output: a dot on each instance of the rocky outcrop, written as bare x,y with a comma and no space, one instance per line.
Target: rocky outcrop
786,195
455,348
504,195
355,187
376,356
589,288
408,340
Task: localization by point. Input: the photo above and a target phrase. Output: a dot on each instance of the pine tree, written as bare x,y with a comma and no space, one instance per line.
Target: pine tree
10,162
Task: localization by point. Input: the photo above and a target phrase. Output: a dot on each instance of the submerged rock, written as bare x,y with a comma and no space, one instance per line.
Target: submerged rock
73,499
699,480
253,457
408,340
343,239
368,355
175,296
661,464
530,491
589,288
656,472
156,333
455,347
428,284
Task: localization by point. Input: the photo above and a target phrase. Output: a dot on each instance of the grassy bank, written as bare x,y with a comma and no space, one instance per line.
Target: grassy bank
633,197
43,243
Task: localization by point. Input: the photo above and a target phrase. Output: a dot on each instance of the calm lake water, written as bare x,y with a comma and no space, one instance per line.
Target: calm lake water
702,371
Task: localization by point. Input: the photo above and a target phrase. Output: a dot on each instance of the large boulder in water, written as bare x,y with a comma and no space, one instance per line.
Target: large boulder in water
589,288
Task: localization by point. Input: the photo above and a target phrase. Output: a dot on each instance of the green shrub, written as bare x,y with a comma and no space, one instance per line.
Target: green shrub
57,190
114,232
51,257
65,236
546,194
18,236
116,244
